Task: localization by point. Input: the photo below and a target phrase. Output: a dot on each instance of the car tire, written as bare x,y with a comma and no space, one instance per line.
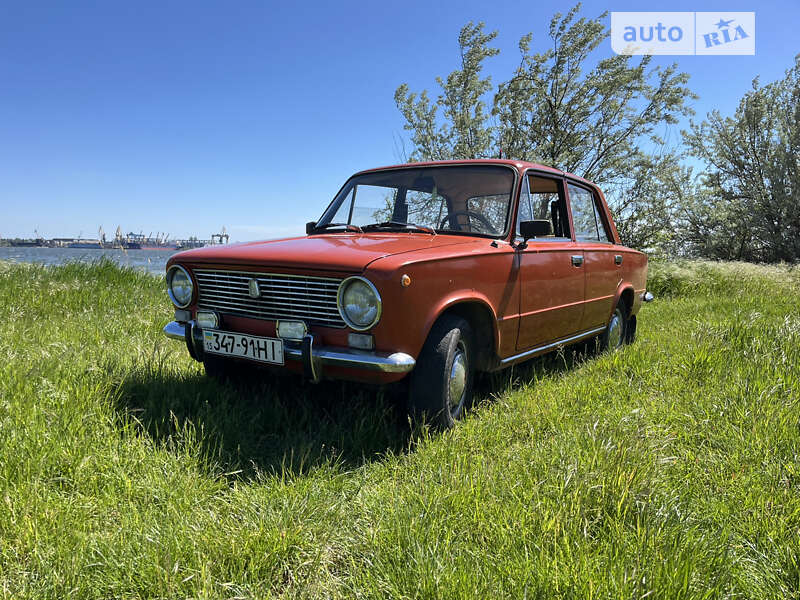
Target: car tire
630,330
615,334
441,384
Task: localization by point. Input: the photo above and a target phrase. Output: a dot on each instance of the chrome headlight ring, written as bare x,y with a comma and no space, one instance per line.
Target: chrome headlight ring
171,273
373,311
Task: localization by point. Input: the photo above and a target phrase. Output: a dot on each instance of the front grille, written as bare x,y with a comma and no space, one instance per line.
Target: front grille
310,299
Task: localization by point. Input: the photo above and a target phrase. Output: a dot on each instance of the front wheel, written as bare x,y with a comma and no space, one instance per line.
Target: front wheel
441,383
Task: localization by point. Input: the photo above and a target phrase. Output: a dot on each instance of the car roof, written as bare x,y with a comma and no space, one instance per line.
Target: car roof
519,165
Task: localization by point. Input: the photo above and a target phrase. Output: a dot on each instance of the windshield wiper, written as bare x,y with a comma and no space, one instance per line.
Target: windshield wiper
347,226
399,225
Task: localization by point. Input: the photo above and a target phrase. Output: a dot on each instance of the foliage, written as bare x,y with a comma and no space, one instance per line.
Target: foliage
668,470
466,133
589,123
561,110
650,205
749,209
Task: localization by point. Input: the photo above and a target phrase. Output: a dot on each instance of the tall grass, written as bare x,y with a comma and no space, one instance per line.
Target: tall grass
668,470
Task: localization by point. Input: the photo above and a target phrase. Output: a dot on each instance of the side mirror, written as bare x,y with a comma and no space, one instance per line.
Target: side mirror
537,228
310,226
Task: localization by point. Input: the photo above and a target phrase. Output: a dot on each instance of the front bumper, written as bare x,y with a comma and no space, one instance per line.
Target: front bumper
313,358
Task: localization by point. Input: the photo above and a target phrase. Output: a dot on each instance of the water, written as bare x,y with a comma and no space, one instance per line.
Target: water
153,261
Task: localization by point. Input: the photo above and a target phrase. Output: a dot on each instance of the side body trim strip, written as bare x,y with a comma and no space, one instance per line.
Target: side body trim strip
551,346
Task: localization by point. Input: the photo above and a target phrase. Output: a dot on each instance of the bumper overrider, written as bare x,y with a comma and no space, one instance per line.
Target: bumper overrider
314,358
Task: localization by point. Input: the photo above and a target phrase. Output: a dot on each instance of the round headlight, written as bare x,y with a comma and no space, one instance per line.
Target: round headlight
179,286
359,303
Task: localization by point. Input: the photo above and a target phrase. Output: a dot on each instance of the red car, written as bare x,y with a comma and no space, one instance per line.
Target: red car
431,271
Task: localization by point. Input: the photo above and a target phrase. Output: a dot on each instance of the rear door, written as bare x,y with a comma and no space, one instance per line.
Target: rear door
602,259
551,271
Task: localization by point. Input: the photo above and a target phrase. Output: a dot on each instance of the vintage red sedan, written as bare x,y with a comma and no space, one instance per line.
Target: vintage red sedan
431,271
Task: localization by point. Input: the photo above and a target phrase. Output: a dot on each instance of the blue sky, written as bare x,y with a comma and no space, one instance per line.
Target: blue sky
182,117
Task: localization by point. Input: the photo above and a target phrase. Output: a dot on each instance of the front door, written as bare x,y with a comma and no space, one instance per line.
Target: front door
551,267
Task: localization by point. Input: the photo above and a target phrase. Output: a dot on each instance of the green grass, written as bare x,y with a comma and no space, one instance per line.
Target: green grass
668,470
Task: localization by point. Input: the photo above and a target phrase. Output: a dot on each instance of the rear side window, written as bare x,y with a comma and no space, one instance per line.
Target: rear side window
589,226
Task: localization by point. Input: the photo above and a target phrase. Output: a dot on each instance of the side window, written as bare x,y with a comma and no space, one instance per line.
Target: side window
542,199
601,227
589,225
524,211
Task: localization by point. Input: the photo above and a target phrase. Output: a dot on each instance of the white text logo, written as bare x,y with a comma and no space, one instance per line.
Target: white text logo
683,33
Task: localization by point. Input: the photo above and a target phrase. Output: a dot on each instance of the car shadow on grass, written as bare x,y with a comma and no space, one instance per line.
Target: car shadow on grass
552,364
259,423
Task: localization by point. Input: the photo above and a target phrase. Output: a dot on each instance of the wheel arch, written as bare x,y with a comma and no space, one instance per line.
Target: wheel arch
625,294
481,317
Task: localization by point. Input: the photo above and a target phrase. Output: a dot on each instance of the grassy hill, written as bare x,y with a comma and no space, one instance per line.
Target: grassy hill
668,470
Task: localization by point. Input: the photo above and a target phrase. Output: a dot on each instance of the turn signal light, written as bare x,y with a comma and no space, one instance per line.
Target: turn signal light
362,341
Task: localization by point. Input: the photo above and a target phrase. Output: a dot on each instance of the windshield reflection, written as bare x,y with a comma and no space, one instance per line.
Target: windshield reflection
471,199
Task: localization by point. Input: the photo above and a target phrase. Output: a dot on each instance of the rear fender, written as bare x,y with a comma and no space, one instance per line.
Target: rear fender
624,291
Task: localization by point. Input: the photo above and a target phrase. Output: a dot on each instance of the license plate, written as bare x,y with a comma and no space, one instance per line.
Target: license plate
261,349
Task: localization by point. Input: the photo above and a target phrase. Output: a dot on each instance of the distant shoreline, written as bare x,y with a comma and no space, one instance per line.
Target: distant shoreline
152,261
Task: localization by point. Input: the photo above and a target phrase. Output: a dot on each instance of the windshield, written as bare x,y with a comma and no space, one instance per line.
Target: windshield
472,199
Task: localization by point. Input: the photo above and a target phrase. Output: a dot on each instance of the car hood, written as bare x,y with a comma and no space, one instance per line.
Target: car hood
334,252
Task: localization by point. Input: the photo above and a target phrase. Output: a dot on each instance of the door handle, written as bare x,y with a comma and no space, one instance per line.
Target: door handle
577,260
618,259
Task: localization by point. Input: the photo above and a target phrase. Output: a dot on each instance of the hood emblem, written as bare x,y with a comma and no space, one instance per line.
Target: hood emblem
253,289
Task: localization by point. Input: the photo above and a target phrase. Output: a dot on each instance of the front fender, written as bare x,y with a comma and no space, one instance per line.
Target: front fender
420,313
485,279
459,302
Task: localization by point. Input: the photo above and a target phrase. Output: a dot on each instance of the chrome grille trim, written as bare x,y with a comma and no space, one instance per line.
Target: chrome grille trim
311,299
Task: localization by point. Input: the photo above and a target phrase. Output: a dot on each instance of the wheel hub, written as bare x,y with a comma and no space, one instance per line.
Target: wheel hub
615,330
458,379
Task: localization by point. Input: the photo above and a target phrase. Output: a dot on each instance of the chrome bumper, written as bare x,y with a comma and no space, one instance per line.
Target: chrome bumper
396,362
175,330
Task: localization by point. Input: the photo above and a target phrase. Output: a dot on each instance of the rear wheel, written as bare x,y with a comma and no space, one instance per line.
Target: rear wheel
441,383
630,330
615,334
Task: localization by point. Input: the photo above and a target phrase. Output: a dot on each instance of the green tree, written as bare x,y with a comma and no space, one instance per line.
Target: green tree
650,205
562,108
750,206
465,132
593,121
